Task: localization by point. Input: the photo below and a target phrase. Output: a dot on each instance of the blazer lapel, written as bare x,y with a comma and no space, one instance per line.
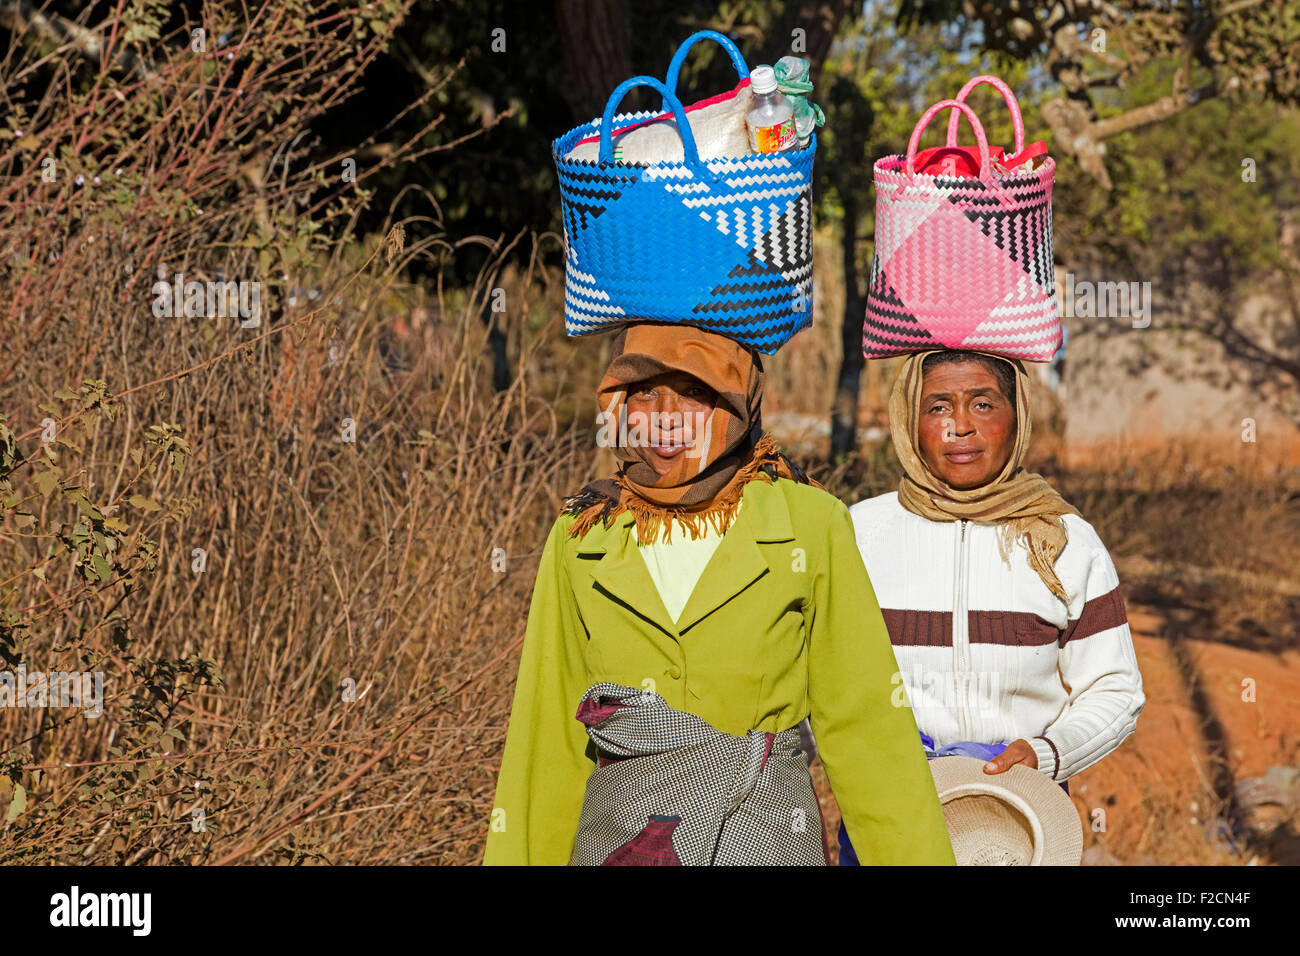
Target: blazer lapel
738,562
623,574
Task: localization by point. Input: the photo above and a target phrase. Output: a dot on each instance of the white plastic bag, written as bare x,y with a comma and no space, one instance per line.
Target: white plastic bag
717,122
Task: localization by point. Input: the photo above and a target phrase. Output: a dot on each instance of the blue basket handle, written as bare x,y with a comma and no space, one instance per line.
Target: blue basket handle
689,150
675,67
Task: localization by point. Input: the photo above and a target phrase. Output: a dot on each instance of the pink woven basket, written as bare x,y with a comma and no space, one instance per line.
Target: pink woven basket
963,262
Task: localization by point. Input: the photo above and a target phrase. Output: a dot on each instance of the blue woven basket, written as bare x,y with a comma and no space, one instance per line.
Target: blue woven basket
723,244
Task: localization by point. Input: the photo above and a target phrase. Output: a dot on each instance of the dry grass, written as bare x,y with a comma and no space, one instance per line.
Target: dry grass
301,622
396,566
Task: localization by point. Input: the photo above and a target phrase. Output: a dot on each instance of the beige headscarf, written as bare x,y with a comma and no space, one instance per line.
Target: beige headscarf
1021,503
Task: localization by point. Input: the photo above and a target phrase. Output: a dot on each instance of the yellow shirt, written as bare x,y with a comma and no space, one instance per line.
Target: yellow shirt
676,568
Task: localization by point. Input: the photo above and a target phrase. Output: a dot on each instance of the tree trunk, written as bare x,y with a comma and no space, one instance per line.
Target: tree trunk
844,411
595,40
820,20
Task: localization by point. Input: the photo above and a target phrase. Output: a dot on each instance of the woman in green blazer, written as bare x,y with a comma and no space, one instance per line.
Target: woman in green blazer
721,638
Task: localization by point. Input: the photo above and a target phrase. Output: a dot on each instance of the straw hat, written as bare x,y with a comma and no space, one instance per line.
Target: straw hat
1016,818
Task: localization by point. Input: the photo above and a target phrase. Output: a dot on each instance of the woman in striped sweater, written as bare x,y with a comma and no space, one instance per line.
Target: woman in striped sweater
1001,601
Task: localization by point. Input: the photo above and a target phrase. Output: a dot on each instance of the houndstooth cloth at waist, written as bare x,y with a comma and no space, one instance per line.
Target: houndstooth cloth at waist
669,789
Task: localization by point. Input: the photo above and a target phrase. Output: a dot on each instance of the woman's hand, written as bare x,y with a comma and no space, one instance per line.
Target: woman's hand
1018,751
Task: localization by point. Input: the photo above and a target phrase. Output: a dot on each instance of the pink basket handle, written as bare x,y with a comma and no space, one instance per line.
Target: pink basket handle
1017,121
986,170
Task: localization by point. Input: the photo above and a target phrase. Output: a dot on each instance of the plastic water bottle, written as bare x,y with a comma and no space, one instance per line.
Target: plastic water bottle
771,117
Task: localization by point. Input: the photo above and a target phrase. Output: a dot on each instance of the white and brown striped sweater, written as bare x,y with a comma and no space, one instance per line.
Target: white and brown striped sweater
987,652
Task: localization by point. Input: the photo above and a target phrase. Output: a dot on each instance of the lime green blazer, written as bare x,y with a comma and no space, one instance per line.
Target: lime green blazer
783,624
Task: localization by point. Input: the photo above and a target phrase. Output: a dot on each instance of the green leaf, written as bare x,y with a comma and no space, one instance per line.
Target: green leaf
102,569
86,508
46,482
143,503
17,805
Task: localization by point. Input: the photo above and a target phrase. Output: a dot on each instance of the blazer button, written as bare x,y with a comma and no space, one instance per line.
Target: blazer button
674,672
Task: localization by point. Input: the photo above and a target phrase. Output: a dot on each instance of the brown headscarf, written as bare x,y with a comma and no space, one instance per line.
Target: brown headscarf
1021,503
732,449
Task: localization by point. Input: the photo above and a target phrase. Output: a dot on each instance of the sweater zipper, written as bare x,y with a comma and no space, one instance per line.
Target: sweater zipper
961,636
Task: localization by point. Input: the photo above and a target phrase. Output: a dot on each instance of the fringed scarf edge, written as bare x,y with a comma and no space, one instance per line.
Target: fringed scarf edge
592,506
